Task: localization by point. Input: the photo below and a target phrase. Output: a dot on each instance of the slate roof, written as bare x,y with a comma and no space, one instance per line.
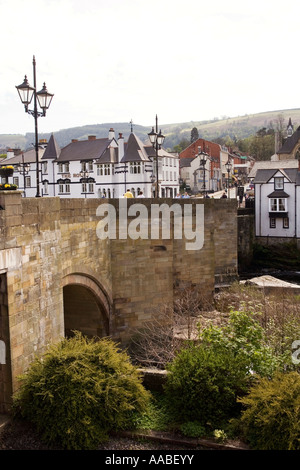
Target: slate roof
84,150
272,165
29,157
136,151
264,175
184,162
52,150
276,194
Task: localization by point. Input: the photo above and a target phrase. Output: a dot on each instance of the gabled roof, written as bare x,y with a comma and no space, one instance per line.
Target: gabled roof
83,150
264,175
290,142
52,150
136,151
110,155
272,165
28,157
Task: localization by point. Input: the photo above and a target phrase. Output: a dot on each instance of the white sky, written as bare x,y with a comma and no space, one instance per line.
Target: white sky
112,61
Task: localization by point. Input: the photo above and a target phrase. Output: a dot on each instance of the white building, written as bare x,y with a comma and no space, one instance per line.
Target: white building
277,203
91,168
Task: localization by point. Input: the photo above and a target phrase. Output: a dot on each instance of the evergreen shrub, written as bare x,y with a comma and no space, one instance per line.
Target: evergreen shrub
205,379
271,418
79,391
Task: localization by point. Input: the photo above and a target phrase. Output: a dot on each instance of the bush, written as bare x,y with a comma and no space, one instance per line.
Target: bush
205,379
271,419
203,385
80,390
193,429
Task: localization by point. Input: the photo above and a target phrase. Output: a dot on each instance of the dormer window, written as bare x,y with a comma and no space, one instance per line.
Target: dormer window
278,183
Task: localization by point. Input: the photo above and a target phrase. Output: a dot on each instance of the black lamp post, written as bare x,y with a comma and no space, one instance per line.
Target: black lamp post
43,98
84,179
24,169
156,139
203,159
228,166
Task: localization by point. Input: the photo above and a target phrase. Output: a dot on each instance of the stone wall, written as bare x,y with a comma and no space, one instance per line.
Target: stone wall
51,244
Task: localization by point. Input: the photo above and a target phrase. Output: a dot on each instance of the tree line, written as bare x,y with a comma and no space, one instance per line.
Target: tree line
260,145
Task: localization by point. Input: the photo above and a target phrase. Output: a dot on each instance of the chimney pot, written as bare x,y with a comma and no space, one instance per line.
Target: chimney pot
92,137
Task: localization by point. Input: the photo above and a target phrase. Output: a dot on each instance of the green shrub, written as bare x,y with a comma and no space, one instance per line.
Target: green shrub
205,379
203,385
79,391
271,419
192,429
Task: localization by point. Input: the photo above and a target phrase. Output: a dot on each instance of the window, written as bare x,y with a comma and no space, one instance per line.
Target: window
16,180
91,187
45,184
135,167
84,166
91,165
272,222
64,186
278,205
45,167
67,167
27,182
83,187
60,168
285,222
278,183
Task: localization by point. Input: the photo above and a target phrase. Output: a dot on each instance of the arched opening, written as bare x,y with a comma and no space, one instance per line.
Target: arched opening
86,307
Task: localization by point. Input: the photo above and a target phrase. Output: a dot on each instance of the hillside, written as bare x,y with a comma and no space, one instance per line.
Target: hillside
238,127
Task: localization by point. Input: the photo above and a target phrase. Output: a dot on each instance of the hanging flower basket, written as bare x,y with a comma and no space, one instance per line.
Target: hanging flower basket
6,171
8,187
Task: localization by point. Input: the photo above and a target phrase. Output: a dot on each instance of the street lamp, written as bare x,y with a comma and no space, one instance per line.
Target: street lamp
156,139
203,159
43,98
24,169
84,180
228,166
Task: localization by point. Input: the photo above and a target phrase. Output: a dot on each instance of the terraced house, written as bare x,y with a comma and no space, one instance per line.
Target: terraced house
97,168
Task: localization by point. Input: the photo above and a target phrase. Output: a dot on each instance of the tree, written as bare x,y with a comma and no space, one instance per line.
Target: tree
194,135
183,144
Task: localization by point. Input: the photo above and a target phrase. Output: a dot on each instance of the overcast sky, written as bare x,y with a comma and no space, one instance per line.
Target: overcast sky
112,61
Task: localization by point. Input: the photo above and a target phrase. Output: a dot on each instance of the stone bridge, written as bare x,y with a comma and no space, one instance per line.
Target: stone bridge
65,264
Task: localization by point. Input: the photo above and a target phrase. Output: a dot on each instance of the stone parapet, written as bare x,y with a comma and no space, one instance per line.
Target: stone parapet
60,275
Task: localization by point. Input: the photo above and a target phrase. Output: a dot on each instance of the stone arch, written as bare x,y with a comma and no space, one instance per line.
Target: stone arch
87,306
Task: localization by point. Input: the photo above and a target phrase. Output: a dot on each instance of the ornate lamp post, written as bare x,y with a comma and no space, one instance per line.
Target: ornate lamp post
84,179
203,160
228,166
156,139
43,98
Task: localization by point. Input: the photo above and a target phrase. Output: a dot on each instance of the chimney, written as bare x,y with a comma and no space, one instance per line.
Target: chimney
91,137
74,140
111,134
121,146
